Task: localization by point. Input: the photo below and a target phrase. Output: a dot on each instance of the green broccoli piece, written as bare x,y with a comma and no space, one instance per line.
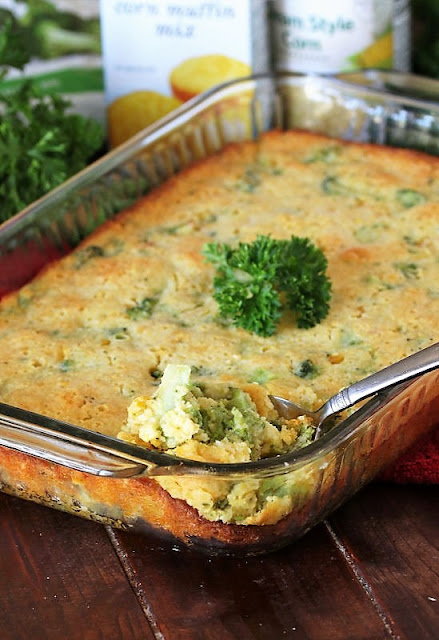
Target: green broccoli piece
306,369
409,198
143,309
55,41
256,281
52,33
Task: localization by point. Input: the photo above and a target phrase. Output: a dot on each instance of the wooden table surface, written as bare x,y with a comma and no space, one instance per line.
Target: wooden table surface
370,572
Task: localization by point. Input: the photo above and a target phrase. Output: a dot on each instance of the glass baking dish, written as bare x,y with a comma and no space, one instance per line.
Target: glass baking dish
105,479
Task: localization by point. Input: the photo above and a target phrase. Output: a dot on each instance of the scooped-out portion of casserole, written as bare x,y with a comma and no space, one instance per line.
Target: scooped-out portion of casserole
215,422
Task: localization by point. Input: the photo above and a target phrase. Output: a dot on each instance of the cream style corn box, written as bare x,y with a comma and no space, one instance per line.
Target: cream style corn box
317,36
160,54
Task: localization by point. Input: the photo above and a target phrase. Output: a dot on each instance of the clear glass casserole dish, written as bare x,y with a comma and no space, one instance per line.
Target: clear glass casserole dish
111,481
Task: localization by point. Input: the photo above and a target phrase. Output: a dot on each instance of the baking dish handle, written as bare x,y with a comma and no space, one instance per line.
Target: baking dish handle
65,444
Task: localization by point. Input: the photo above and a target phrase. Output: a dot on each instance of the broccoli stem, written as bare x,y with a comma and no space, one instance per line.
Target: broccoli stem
54,41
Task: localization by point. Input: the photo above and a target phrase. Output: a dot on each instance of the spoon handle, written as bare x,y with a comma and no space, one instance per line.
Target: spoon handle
406,369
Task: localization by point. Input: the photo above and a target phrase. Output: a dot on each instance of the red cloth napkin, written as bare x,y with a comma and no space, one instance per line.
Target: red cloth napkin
420,464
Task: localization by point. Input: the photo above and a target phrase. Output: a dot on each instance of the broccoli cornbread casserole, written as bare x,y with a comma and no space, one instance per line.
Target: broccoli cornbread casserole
92,337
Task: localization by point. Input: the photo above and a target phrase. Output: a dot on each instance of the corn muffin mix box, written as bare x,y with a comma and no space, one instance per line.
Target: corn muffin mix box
160,54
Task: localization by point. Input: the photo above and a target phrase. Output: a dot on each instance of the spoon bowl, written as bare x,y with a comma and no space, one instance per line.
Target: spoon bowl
406,369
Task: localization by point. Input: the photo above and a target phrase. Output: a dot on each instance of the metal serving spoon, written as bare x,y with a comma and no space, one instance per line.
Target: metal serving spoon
406,369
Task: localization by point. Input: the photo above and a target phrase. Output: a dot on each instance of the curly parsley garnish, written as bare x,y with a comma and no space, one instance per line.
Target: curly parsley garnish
255,282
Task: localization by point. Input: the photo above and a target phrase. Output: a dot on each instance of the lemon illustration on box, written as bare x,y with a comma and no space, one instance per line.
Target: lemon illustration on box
195,75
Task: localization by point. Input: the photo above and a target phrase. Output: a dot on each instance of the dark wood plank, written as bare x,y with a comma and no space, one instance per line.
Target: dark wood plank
391,534
373,573
303,592
60,578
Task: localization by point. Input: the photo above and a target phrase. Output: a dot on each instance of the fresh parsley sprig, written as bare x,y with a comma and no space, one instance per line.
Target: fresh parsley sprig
255,282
